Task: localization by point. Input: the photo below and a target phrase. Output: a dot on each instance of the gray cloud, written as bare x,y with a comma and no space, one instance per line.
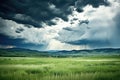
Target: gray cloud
70,34
92,37
91,43
84,21
19,30
80,4
115,40
36,12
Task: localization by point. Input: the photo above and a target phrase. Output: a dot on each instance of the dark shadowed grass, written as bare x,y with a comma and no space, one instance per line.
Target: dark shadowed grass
81,68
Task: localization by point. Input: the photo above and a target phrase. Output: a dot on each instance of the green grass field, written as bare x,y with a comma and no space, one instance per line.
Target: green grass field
79,68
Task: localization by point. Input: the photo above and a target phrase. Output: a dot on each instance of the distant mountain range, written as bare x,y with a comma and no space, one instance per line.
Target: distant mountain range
19,52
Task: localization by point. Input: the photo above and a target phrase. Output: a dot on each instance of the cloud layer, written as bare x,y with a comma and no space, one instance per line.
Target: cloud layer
42,11
60,24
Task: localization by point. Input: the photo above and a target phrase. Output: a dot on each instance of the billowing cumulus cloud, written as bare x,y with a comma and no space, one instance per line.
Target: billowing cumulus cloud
100,31
60,24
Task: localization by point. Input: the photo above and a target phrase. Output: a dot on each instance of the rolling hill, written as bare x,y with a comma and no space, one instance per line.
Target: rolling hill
19,52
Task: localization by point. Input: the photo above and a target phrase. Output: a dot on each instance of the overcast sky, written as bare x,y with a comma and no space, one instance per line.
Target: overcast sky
59,24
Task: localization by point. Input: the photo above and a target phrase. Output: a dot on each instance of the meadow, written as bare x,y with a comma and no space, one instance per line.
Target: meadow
49,68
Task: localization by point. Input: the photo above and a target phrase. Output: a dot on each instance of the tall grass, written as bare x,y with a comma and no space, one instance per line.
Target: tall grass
87,68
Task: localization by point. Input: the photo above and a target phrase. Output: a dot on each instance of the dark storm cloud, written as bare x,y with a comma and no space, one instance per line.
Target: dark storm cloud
50,23
80,4
19,30
6,41
68,29
2,24
91,43
84,21
35,12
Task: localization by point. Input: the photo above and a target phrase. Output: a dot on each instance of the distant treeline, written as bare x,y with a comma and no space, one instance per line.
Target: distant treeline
18,52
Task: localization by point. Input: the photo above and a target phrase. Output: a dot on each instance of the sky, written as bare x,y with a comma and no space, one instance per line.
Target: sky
59,24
